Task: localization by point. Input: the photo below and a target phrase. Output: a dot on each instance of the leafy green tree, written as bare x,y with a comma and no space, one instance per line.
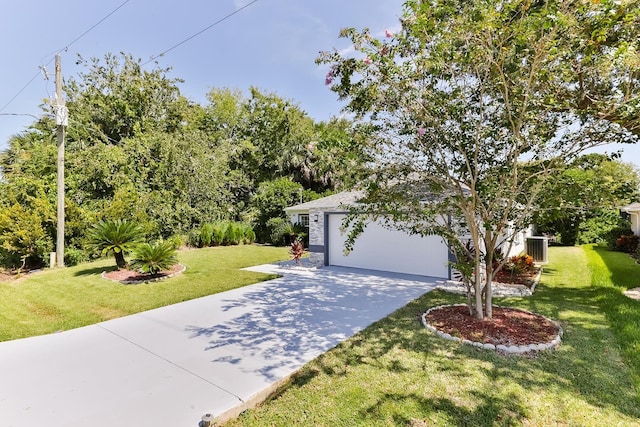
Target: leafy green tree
269,202
115,99
153,258
23,237
137,150
337,156
581,202
117,237
472,106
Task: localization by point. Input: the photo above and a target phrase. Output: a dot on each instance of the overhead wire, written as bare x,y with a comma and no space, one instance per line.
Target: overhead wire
219,21
153,58
64,49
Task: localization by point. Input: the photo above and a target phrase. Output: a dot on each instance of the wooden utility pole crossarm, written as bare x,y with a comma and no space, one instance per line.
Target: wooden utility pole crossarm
61,122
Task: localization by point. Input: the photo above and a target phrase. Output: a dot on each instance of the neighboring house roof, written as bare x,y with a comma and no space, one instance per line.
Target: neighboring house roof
633,207
345,198
351,198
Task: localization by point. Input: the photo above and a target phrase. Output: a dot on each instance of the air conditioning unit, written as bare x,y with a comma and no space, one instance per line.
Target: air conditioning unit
538,248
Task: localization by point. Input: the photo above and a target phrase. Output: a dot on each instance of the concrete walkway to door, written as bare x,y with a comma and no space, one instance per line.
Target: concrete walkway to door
170,366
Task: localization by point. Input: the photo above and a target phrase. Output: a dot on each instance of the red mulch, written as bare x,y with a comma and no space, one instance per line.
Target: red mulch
520,279
131,275
4,277
509,326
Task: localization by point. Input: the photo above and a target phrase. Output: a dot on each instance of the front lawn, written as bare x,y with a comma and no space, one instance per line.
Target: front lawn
55,300
396,373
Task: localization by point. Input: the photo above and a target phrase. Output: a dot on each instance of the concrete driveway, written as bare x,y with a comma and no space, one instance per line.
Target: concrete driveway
170,366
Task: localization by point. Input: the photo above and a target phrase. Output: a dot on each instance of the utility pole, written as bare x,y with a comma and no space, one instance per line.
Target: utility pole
62,120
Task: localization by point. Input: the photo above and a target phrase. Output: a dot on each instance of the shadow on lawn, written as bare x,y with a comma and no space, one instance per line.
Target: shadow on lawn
487,412
584,365
94,271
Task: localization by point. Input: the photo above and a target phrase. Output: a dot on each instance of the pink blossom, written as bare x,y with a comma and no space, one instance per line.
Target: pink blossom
329,78
367,60
388,33
421,131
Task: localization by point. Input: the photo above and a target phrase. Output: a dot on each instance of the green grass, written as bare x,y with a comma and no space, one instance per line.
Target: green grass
55,300
395,373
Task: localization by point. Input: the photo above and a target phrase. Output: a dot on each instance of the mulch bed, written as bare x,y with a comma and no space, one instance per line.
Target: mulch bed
509,326
508,278
135,276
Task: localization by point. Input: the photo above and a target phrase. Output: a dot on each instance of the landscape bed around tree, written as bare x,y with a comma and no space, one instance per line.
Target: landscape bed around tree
132,277
510,330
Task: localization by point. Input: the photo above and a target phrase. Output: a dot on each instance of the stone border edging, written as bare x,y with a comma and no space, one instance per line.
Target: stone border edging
509,349
499,289
137,282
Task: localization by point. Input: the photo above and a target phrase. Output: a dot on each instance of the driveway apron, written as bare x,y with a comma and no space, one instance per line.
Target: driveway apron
170,366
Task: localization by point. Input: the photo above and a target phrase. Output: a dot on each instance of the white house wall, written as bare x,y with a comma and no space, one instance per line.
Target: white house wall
379,248
316,237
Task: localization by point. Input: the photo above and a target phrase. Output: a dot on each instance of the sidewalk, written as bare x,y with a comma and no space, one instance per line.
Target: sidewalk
170,366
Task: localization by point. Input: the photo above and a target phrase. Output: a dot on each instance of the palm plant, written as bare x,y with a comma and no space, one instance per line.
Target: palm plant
153,258
117,237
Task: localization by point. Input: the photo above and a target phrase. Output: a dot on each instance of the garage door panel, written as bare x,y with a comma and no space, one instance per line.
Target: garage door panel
379,248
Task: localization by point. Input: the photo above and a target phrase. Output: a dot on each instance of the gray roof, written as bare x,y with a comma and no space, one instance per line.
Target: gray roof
345,198
633,207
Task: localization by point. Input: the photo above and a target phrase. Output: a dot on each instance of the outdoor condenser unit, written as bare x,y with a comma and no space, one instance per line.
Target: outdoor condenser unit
538,248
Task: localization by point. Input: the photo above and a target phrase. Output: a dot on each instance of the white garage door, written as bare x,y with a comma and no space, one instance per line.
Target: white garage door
382,249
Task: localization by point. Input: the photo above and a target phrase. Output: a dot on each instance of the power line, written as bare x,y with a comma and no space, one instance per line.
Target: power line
65,48
20,91
95,25
19,114
200,32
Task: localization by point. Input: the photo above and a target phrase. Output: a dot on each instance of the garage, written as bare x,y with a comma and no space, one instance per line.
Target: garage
379,248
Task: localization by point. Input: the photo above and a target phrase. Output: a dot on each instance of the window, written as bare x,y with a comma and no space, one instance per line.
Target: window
303,219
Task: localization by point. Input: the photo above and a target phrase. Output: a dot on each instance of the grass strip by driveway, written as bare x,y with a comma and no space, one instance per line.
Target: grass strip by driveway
396,373
55,300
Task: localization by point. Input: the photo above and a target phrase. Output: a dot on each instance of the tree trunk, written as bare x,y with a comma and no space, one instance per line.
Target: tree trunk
488,310
120,262
478,288
488,287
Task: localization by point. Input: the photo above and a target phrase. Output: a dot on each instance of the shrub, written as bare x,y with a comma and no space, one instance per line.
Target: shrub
297,250
178,240
222,233
627,243
153,258
520,264
24,236
193,238
613,236
248,235
219,233
284,233
74,256
232,234
206,236
117,237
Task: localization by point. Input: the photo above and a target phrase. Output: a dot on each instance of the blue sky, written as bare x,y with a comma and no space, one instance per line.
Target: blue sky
271,44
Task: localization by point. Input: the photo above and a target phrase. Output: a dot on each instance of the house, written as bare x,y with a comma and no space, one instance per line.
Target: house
634,212
377,248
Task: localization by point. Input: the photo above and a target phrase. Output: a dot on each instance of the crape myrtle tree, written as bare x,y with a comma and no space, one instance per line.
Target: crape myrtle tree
470,106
